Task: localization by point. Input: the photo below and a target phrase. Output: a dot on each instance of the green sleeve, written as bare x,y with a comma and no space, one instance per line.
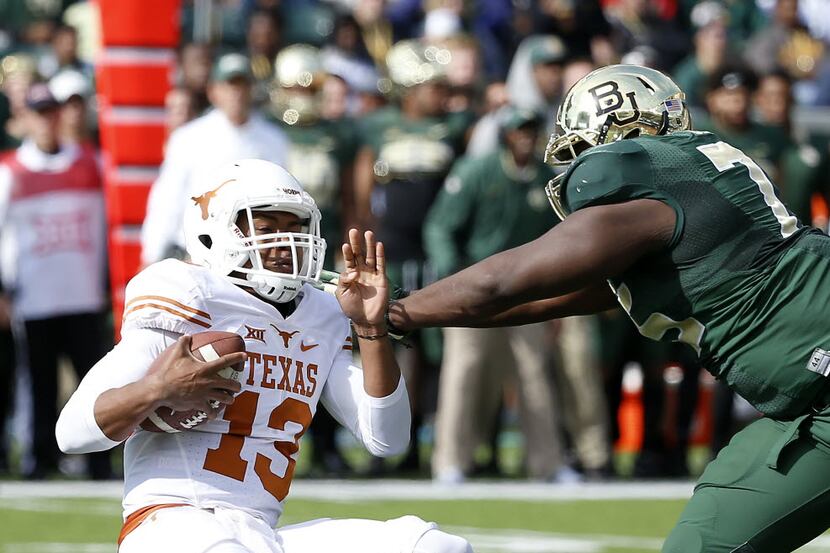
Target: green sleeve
449,216
616,173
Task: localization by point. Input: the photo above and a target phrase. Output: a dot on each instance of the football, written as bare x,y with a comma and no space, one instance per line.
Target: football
205,346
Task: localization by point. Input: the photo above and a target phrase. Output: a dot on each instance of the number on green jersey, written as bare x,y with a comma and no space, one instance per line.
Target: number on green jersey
690,330
723,157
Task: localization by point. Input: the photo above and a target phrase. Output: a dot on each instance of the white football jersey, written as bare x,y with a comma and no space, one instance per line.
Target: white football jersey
246,457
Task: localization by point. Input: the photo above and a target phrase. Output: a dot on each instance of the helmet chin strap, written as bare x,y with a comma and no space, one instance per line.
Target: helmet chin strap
274,288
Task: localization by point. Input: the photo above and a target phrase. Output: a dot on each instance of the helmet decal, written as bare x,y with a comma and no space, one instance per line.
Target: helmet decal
203,201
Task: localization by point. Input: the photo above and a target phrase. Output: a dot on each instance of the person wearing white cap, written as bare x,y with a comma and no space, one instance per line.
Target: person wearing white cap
233,130
73,90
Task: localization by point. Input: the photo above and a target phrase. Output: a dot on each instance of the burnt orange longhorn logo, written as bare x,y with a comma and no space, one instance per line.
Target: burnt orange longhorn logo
286,336
203,201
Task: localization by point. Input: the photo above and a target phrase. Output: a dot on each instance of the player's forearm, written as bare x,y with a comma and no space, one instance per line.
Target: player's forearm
381,373
385,415
89,424
467,298
591,299
119,411
101,394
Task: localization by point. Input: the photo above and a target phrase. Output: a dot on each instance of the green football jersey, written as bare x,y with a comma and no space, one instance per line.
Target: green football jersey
412,158
742,281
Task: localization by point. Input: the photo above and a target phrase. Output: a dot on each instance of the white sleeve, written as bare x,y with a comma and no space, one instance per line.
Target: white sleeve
77,431
166,201
381,423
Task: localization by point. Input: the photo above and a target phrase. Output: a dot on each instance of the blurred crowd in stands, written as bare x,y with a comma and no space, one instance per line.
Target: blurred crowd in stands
424,120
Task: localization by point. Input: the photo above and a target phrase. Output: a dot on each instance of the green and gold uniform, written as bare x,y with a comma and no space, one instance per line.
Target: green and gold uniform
747,286
487,205
412,158
319,153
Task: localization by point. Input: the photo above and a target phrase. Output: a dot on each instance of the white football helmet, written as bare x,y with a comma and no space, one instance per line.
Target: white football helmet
215,241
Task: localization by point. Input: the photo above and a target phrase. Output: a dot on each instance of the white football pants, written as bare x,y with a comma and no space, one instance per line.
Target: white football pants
192,530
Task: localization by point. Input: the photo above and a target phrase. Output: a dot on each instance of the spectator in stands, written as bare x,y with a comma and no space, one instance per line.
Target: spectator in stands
63,55
233,130
489,204
462,72
179,108
336,100
581,25
73,91
804,166
784,43
375,29
484,134
51,204
263,42
407,151
728,101
534,81
194,65
346,59
637,23
18,72
711,51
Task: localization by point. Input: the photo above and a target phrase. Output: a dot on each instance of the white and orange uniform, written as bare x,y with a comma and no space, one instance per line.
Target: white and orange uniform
236,470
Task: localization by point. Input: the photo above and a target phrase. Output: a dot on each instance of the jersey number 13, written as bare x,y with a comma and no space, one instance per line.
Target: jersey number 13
226,459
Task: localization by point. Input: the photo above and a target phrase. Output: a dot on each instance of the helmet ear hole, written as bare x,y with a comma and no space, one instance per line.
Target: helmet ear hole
206,240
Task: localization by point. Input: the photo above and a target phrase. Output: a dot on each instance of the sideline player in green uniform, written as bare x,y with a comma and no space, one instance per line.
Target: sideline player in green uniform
321,151
698,248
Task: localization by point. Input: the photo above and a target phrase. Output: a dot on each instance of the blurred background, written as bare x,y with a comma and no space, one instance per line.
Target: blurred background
424,120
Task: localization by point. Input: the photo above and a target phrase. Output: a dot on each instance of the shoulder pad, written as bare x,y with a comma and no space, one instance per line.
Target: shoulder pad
609,173
168,295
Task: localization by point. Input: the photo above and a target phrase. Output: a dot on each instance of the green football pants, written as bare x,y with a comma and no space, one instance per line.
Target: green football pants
768,491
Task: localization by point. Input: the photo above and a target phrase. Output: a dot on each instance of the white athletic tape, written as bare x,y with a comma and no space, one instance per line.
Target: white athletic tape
208,353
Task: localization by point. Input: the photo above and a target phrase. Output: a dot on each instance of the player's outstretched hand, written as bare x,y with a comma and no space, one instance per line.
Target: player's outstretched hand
187,383
362,288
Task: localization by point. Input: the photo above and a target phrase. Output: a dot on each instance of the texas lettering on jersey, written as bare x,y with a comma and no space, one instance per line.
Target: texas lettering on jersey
250,450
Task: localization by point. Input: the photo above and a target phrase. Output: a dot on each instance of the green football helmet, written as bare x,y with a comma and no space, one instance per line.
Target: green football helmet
609,104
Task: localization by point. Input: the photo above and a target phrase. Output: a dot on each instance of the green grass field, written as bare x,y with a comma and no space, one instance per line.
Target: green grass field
33,519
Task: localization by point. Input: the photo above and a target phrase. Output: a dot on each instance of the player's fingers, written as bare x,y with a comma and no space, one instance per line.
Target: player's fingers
380,258
219,396
354,242
370,249
348,278
229,385
348,256
232,360
182,345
